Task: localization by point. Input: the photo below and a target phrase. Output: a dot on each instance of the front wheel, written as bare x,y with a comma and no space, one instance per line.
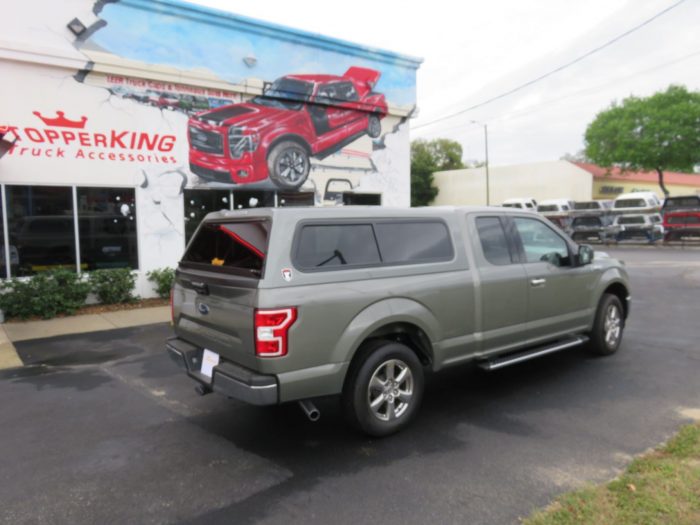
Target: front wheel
608,325
384,388
288,165
374,126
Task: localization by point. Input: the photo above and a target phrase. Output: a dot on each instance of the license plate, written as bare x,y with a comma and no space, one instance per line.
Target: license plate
209,361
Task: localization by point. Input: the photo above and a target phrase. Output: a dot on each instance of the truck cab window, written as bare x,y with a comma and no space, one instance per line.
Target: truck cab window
541,243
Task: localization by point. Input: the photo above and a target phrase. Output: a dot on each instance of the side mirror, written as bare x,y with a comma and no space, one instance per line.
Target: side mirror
585,254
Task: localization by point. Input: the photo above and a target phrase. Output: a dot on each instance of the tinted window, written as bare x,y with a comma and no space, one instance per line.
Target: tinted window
239,247
540,242
589,205
336,245
587,221
548,208
41,228
630,220
630,203
107,228
681,202
413,242
493,240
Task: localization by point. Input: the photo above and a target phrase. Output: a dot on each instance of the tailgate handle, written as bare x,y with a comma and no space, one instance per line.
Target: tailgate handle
200,288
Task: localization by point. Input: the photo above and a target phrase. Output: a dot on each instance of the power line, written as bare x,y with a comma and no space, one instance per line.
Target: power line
590,90
556,70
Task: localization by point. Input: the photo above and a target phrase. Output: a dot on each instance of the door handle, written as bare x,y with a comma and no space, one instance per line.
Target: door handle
537,282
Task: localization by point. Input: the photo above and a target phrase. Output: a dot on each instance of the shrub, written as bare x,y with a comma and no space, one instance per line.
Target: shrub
163,279
46,295
114,285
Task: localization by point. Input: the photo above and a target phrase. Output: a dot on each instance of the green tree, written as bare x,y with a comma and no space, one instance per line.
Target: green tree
656,133
427,157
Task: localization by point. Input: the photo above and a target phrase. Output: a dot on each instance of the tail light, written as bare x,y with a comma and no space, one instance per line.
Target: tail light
272,331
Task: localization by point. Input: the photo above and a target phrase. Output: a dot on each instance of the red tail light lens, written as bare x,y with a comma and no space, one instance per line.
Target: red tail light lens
271,331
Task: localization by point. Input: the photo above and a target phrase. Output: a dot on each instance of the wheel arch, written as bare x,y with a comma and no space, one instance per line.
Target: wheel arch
396,320
289,137
621,291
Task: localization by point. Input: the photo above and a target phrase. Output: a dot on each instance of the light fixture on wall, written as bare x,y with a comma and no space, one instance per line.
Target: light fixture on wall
76,27
250,60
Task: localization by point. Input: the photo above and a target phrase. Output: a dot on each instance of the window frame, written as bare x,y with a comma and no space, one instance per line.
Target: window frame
372,222
508,234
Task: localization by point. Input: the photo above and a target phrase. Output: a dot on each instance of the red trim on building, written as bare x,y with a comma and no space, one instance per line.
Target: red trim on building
670,177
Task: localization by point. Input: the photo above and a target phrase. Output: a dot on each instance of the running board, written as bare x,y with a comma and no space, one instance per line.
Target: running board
519,357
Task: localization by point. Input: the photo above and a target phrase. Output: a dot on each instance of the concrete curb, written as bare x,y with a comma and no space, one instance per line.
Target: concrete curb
79,324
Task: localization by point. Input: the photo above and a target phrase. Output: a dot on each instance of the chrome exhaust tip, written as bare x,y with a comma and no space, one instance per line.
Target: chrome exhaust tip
313,413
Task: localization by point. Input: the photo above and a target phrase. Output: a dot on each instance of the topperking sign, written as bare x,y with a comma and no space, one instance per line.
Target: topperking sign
61,137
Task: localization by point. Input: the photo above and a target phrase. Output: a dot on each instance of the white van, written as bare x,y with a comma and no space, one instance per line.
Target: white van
639,201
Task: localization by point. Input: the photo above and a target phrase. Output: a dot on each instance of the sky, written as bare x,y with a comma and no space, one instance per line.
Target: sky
473,51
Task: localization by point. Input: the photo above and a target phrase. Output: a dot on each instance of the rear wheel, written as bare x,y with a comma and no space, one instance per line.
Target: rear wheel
609,323
288,165
384,388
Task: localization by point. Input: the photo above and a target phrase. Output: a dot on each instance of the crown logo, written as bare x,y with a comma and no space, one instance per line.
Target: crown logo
61,121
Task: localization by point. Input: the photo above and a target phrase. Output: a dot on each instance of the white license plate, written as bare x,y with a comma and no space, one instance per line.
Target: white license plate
209,361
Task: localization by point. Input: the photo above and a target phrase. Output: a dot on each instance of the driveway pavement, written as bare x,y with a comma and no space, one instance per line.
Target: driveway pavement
102,428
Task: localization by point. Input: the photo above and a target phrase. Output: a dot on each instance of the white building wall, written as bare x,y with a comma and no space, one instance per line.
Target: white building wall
540,180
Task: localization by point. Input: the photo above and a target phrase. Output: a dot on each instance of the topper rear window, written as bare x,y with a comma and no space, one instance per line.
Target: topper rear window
233,247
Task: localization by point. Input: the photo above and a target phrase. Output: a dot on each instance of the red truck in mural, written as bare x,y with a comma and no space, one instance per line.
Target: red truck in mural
275,135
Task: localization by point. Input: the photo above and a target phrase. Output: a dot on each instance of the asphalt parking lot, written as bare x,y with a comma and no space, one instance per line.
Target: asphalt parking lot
103,428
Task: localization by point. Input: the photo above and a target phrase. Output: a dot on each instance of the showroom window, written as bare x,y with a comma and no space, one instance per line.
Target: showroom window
107,228
200,202
41,228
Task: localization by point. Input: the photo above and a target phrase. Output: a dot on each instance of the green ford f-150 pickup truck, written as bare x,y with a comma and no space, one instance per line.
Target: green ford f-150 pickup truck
290,304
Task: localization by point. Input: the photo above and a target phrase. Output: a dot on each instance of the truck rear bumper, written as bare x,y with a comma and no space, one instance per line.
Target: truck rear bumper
228,379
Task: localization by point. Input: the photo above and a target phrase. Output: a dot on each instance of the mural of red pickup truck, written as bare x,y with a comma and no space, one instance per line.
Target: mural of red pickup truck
276,134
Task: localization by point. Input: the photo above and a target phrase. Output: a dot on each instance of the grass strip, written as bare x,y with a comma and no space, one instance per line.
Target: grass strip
661,487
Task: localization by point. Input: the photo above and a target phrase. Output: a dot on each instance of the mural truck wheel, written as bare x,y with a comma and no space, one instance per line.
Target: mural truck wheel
374,126
288,164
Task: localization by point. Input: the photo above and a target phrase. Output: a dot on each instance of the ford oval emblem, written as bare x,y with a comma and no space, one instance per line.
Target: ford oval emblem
203,308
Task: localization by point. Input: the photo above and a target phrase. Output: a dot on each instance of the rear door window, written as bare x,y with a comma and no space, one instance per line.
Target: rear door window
235,247
331,245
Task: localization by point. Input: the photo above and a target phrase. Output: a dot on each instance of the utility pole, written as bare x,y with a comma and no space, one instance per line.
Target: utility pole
486,148
486,158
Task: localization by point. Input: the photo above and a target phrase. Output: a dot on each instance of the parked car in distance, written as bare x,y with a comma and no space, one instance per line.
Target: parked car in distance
557,211
274,305
520,203
191,103
275,135
681,203
640,226
637,202
682,225
168,100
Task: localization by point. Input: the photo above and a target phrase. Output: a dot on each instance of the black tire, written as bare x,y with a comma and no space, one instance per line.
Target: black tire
398,401
602,341
288,165
374,126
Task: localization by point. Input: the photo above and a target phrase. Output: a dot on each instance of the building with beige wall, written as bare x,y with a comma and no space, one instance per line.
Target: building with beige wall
557,179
